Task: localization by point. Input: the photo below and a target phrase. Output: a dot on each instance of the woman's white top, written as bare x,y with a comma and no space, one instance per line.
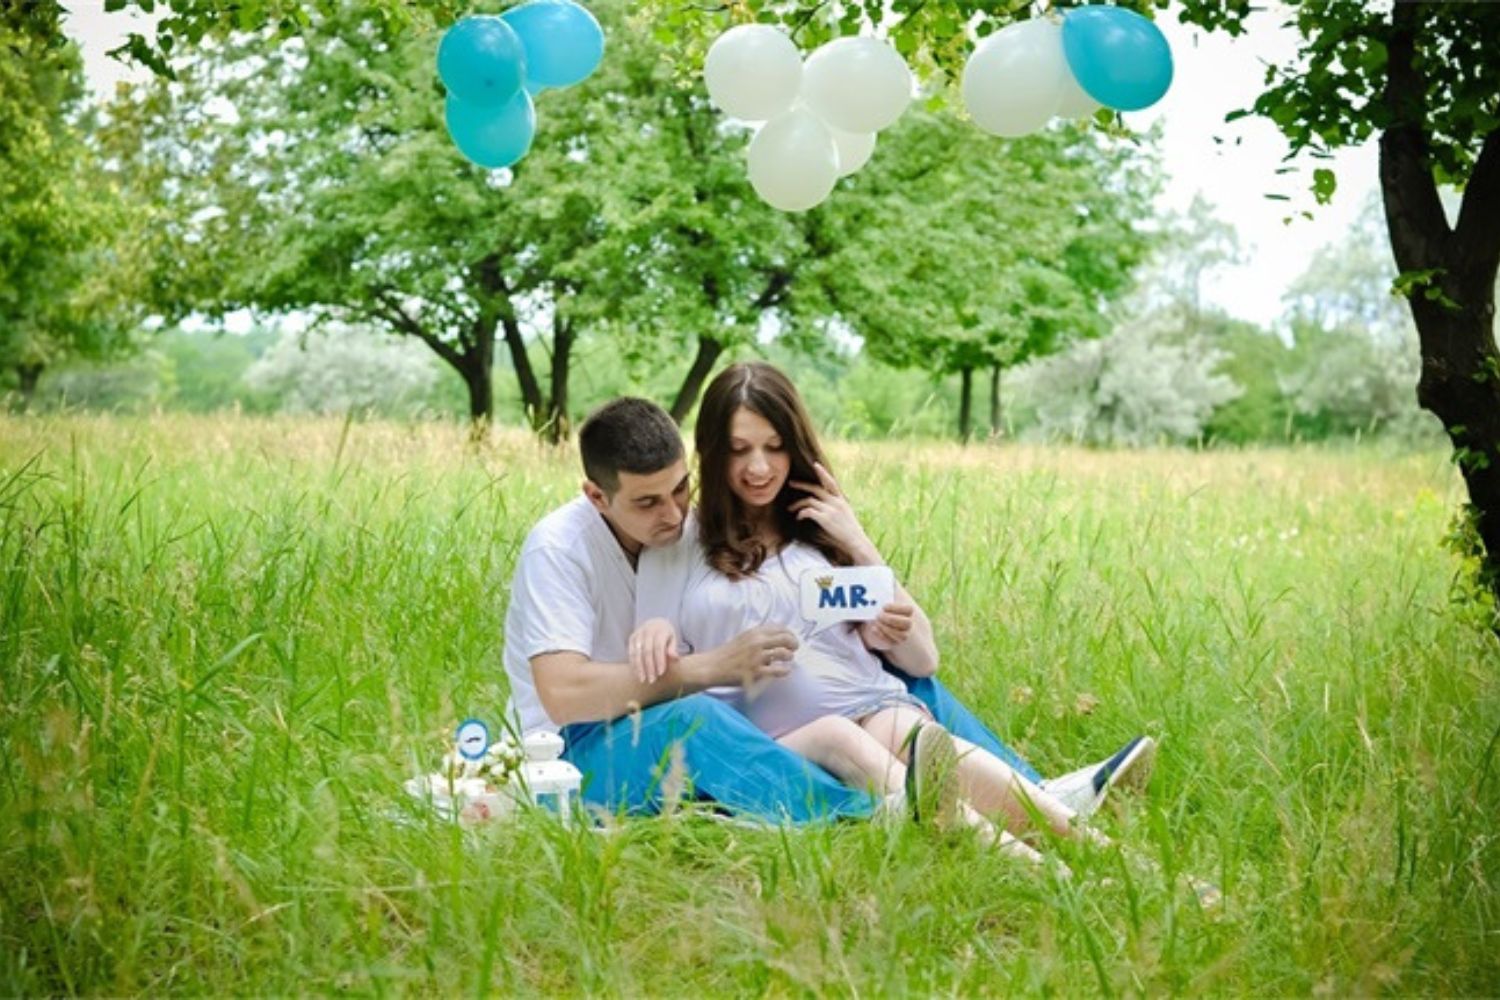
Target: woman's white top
832,672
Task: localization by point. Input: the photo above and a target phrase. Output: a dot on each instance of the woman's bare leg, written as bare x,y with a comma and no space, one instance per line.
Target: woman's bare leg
995,787
848,752
989,784
890,728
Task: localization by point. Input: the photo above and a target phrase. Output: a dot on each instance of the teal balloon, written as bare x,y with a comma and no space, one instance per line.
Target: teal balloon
563,41
492,137
481,61
1120,59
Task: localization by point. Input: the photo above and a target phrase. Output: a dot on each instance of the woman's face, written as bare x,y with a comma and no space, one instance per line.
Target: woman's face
758,459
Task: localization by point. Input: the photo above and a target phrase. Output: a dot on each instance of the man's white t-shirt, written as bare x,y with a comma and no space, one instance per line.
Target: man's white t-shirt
574,591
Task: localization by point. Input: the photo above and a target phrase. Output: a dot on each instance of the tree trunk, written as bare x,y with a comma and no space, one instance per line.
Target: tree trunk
531,391
692,384
995,400
481,393
473,357
554,427
1453,302
966,405
500,309
27,375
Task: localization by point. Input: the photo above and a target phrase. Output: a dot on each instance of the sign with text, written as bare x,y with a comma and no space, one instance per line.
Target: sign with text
845,594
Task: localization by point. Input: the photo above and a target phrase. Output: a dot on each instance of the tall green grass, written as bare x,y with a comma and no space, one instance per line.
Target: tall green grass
224,643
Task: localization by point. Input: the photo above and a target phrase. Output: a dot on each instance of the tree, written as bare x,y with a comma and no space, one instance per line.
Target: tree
703,263
1347,285
956,252
338,369
1188,247
332,188
1143,384
313,174
1423,77
1355,352
60,281
1256,360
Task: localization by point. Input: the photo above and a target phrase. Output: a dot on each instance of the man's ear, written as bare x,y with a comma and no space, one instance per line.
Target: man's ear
596,495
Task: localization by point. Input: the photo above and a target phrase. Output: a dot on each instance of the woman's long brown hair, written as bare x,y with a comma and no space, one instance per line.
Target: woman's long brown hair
724,527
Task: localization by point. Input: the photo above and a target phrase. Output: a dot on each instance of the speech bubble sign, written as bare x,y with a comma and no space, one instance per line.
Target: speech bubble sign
845,594
472,739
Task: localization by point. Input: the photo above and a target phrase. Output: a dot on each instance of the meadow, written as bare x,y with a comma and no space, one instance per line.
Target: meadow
225,642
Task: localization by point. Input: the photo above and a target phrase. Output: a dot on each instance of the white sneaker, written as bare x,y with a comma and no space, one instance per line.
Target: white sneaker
1083,790
892,810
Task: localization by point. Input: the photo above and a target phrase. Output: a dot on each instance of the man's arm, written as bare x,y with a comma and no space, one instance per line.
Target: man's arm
574,688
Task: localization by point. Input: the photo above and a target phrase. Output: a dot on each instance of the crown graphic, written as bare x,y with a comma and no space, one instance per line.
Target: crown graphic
824,582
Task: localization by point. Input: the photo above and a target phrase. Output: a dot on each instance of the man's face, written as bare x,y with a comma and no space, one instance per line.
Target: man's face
647,509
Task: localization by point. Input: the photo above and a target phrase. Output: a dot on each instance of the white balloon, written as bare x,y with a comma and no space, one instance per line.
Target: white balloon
854,150
856,84
1013,81
794,161
1075,101
753,72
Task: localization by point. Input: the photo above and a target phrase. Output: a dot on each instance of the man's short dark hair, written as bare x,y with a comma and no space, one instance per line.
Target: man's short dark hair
627,435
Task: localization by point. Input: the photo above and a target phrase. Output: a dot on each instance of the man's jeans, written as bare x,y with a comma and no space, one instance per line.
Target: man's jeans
726,759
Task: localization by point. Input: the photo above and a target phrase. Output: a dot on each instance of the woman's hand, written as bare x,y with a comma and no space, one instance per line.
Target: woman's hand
893,627
827,506
653,648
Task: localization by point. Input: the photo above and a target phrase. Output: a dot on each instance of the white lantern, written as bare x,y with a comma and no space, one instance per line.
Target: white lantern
553,783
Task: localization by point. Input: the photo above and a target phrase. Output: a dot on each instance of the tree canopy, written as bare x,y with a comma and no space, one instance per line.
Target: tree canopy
313,174
60,290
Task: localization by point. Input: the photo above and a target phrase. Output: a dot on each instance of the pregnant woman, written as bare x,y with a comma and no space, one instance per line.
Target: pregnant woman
769,511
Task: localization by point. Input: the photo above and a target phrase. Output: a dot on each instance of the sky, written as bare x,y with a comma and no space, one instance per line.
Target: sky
1214,75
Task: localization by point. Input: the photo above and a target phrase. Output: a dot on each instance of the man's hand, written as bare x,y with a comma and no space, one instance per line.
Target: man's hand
755,655
890,629
653,648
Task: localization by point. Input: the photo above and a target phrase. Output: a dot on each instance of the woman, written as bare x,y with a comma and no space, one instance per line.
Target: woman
769,511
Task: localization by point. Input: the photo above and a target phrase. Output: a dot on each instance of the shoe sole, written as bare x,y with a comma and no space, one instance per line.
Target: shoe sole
933,770
1132,770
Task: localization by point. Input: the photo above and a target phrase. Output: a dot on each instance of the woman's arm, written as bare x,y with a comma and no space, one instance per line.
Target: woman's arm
903,635
903,632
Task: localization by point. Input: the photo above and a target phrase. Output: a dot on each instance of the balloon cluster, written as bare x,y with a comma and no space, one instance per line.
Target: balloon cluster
494,65
1025,73
820,116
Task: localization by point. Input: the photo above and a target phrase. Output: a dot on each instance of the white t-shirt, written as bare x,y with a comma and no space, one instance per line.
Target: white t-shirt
832,672
574,591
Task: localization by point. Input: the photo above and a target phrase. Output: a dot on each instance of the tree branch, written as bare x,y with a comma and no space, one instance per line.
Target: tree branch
775,292
1478,231
1414,213
492,282
388,309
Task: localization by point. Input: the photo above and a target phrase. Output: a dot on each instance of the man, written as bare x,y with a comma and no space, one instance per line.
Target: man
572,611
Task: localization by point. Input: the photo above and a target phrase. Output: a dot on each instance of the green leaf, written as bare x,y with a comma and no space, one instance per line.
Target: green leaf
1324,184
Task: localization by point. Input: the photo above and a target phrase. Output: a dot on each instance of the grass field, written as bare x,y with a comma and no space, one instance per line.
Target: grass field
224,643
